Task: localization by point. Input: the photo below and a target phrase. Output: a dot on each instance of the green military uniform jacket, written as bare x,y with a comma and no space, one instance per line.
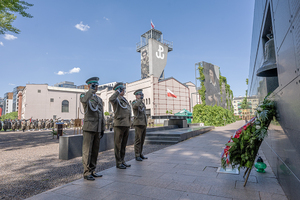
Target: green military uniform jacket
122,110
139,111
93,120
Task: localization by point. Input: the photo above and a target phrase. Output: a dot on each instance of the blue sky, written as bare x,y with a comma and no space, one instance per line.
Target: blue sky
215,31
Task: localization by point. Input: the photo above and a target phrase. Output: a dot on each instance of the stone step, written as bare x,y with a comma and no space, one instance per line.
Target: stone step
160,142
163,138
162,134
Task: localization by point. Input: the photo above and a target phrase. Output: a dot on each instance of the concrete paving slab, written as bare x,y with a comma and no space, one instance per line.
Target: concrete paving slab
186,170
269,185
160,193
197,196
122,196
189,187
271,196
234,193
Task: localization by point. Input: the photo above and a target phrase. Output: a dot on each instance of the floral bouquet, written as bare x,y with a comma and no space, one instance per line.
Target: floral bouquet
242,148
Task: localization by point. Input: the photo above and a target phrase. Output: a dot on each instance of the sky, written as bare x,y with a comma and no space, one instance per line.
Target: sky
73,40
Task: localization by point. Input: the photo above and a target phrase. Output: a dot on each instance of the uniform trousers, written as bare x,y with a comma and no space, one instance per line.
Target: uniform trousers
90,150
120,138
140,134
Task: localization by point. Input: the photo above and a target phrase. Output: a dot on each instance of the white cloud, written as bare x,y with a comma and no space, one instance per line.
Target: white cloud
1,43
82,27
72,71
61,73
106,18
9,37
11,84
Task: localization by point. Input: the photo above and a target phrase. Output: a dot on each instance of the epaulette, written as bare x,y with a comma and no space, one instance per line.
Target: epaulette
134,102
82,95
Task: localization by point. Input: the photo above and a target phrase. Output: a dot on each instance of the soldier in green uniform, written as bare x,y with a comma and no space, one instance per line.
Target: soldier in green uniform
93,128
139,123
122,116
5,125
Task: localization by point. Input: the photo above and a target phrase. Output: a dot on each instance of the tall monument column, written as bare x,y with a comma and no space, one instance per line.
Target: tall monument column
154,53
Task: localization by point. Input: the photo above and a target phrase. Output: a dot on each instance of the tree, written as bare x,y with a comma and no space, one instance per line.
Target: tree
12,115
245,104
7,8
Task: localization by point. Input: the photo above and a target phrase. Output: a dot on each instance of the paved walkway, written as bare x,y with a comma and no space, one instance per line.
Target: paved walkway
186,170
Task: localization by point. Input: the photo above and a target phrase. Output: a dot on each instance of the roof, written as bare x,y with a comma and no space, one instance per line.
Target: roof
170,79
184,112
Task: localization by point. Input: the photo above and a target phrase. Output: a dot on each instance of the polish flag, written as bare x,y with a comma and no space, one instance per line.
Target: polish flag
152,25
171,94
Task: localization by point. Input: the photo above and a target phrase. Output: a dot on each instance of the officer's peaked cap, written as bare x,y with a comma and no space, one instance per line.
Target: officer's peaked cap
137,92
92,80
118,85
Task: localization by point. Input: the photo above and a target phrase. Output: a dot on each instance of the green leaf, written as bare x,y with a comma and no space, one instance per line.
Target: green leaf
230,144
236,140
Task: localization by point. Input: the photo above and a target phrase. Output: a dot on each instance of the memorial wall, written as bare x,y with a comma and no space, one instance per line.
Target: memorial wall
214,88
274,68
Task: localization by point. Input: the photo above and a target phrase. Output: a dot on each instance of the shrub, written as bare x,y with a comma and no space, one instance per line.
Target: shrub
212,115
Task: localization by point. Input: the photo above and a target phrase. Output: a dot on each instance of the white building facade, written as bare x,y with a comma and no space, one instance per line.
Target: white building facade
40,101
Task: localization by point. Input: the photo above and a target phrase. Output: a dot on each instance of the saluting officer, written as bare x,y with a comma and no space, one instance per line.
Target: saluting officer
140,124
122,117
93,128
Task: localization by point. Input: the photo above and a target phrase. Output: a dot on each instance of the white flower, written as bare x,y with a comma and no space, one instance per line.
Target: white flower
257,127
259,109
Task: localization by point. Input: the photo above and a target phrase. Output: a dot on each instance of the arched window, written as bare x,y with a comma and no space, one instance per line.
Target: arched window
146,101
65,106
149,101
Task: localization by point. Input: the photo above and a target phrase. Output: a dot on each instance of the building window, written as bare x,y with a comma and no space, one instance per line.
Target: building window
51,100
39,91
146,101
149,101
65,106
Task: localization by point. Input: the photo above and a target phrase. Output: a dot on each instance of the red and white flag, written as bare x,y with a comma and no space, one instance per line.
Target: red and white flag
152,25
171,94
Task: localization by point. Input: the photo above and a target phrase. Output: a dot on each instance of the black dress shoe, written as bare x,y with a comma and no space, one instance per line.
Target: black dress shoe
138,159
121,166
143,157
89,178
126,165
96,175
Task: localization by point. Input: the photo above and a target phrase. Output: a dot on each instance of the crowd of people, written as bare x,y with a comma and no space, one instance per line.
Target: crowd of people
31,125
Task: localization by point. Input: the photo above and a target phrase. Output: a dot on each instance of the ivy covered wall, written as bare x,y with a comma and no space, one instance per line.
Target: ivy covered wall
221,111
